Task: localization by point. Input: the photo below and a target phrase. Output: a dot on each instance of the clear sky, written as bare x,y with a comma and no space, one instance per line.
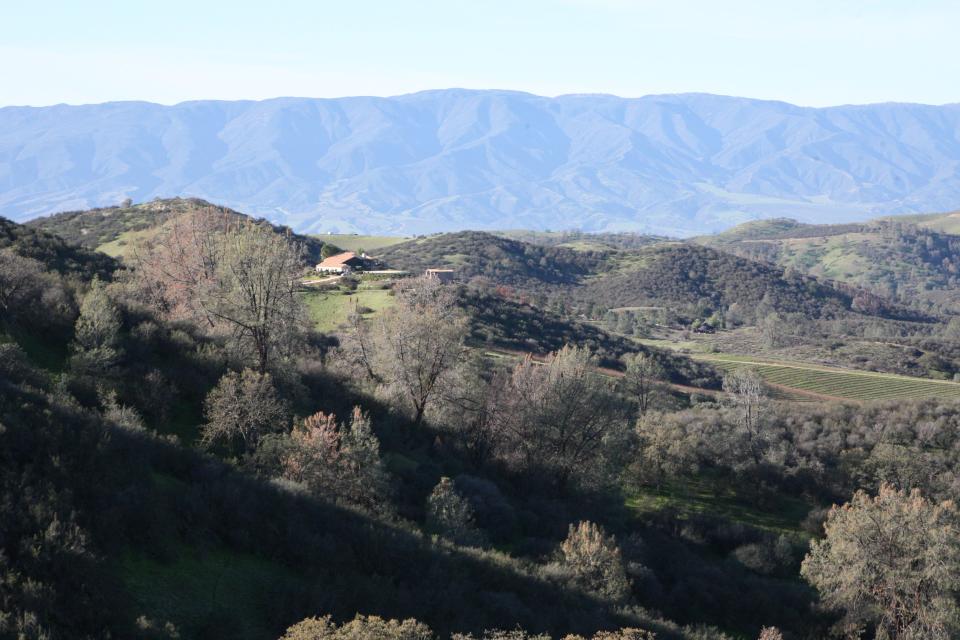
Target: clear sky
809,52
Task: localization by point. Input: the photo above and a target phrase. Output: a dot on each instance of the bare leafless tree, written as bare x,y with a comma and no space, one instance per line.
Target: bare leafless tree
255,290
177,266
235,277
748,396
559,418
241,409
413,348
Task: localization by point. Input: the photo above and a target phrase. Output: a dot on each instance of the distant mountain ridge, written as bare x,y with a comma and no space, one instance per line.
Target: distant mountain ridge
455,159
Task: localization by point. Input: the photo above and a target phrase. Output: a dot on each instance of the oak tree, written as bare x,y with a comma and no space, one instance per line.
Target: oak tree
891,561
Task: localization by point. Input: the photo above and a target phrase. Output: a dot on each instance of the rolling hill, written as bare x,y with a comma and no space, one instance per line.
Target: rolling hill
683,276
453,159
912,259
502,261
116,230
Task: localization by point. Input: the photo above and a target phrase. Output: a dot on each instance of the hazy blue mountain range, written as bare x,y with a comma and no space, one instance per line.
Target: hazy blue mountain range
453,159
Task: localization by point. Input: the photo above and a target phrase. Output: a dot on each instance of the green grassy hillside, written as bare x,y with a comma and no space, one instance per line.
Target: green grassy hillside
942,222
360,242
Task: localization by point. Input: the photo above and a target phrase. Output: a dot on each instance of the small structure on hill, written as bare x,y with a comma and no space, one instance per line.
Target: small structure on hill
345,262
443,275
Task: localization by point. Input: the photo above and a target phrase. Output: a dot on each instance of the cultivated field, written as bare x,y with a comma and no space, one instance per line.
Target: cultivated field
841,384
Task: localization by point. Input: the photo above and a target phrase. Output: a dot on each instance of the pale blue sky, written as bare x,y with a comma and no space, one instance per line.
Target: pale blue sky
811,52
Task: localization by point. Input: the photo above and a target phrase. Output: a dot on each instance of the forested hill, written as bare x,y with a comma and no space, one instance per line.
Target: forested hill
501,260
678,275
115,230
209,452
910,260
125,513
687,274
582,240
757,263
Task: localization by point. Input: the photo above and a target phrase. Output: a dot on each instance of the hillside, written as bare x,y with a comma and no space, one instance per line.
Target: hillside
687,278
502,261
582,240
682,275
454,159
942,222
905,259
501,323
163,478
53,252
115,230
132,524
275,549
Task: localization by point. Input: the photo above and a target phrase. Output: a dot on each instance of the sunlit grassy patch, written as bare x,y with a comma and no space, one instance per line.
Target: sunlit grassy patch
700,497
329,310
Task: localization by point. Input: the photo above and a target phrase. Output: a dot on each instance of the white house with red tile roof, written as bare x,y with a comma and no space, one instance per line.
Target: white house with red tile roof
341,263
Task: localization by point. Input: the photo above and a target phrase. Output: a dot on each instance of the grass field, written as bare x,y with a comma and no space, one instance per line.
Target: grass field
944,222
843,384
329,310
126,241
800,381
352,242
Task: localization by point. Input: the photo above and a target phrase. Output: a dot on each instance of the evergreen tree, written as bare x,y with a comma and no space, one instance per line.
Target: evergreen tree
96,344
450,515
891,561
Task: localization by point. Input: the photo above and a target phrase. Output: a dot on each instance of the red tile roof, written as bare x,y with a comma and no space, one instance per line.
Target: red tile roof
338,260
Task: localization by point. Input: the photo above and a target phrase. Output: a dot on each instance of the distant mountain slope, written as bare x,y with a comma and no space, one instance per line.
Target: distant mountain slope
454,159
905,259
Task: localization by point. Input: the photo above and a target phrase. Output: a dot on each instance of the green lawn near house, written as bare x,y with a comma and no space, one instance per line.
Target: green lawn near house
329,310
